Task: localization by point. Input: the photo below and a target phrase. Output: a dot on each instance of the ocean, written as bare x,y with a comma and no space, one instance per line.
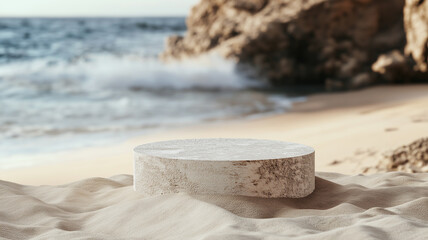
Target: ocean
77,82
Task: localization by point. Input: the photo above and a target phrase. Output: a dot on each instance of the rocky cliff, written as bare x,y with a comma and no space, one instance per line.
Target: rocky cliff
416,25
331,42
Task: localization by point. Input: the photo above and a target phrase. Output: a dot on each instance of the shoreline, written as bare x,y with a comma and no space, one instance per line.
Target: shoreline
349,131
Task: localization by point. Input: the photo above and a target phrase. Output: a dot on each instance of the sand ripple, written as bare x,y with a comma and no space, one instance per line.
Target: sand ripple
380,206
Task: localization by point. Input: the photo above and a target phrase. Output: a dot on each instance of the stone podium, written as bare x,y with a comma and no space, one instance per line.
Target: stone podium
247,167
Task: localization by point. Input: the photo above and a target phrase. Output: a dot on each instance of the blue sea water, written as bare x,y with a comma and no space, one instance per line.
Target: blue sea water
67,83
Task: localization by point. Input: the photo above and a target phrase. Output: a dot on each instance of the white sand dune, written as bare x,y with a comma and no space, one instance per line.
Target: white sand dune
379,206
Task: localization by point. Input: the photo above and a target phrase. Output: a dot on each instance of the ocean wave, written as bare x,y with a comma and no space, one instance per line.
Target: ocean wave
105,72
161,26
68,83
67,39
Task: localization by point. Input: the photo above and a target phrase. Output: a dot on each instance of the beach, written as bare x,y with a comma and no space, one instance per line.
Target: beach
208,120
88,193
379,206
350,132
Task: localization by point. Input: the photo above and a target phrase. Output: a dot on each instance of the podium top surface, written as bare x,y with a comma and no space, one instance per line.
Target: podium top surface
223,149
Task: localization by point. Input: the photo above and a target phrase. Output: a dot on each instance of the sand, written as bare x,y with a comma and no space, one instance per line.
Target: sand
349,131
379,206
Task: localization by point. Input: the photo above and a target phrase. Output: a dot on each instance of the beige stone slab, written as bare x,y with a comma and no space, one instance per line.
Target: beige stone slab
248,167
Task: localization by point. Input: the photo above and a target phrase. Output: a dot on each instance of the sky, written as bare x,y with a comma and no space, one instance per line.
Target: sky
94,8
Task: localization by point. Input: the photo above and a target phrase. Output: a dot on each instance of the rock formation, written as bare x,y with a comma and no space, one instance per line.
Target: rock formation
410,158
394,67
416,26
331,42
412,64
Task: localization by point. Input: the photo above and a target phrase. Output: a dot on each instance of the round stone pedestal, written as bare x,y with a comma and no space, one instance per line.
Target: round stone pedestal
248,167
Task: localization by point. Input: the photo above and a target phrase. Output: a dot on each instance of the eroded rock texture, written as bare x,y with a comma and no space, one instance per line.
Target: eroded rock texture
416,25
331,42
411,158
394,66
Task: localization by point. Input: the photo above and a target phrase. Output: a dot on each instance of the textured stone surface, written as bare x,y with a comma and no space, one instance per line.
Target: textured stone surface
331,42
411,158
394,67
247,167
416,24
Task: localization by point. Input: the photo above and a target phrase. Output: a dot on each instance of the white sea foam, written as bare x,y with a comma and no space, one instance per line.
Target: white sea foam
208,72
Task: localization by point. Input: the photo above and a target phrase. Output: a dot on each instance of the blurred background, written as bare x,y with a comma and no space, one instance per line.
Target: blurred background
87,73
83,73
